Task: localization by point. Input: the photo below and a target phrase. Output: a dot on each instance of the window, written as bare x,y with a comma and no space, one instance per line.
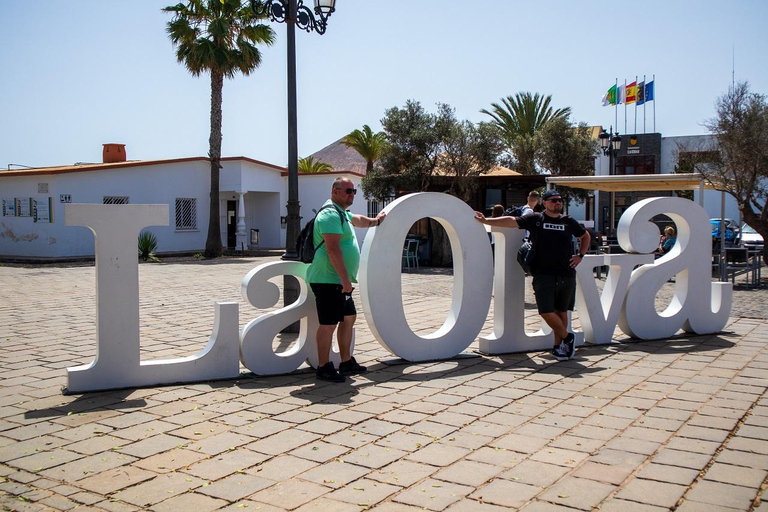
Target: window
186,213
116,200
374,207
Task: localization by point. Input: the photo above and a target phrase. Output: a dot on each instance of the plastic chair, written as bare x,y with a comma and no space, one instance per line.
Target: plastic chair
410,254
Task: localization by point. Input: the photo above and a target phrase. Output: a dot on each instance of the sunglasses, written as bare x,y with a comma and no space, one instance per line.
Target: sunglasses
352,191
556,200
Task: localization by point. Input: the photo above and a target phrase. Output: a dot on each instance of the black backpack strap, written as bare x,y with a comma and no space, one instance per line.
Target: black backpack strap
341,218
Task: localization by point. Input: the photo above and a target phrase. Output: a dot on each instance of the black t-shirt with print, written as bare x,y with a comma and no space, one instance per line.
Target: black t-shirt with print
552,243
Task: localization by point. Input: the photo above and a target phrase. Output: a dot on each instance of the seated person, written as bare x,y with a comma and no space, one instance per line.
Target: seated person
667,241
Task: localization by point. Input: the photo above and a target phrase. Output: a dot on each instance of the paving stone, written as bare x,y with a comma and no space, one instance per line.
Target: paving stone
403,473
726,495
578,493
152,445
653,493
189,501
283,441
225,464
433,494
170,460
469,473
290,494
559,456
602,472
335,474
320,451
235,487
506,493
683,459
328,505
364,492
669,474
616,505
372,456
107,482
728,474
438,454
160,488
535,473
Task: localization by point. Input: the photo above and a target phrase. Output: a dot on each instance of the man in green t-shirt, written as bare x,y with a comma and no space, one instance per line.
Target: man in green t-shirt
331,275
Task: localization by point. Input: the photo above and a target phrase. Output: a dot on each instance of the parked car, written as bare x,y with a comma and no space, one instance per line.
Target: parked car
731,231
750,237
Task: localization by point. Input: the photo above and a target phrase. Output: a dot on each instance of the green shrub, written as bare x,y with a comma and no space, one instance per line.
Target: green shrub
147,246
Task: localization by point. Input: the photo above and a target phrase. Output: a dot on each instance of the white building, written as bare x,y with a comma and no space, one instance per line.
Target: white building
650,153
252,203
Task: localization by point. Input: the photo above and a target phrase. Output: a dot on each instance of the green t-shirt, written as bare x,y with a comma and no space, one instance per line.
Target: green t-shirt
329,221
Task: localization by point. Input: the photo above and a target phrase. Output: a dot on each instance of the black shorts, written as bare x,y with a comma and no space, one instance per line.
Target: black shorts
332,304
554,293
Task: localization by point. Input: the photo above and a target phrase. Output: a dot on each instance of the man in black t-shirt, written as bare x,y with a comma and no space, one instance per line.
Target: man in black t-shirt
554,264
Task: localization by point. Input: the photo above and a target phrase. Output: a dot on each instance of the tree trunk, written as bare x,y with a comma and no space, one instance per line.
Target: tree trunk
213,247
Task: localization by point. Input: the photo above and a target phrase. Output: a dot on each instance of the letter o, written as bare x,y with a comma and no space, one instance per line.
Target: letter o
381,285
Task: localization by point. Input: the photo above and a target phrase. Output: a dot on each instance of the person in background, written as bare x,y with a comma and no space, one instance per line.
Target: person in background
667,241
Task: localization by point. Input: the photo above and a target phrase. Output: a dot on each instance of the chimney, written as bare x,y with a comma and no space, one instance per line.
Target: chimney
113,153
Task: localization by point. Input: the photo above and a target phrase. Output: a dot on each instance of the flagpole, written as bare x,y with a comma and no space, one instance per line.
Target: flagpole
625,105
635,103
654,103
616,110
644,103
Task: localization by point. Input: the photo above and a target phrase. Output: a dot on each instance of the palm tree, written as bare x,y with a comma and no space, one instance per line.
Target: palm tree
520,119
310,165
220,37
367,143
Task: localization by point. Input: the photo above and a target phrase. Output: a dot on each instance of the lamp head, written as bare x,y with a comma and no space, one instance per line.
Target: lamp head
325,7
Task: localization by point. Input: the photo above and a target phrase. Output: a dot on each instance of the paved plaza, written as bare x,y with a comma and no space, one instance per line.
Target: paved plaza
679,424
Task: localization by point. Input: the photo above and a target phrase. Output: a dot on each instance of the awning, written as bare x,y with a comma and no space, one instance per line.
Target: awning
634,183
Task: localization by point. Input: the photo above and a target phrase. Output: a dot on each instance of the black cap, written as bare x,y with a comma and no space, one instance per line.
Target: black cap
549,194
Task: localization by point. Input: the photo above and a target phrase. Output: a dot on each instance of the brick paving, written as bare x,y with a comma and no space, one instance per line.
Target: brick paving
678,424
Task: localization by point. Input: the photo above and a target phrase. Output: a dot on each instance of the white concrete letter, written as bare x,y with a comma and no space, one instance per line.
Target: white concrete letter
256,350
117,364
381,286
698,305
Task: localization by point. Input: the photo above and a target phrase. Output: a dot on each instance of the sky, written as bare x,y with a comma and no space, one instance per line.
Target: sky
77,74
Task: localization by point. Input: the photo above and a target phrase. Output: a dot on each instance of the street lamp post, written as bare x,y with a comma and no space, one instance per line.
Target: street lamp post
611,144
294,14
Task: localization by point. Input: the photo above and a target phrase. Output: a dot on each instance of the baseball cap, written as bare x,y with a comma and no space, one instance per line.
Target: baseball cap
549,194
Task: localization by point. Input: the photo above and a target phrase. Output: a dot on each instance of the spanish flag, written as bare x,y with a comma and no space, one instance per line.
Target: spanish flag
632,92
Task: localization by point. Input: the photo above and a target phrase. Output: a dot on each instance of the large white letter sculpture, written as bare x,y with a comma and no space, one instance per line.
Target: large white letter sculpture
118,363
381,287
699,305
628,298
257,337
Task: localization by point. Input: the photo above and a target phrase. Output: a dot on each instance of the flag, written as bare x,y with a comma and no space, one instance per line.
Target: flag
632,92
641,93
649,91
610,96
622,94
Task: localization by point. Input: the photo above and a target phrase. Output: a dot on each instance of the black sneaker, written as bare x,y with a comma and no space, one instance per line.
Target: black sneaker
570,345
329,373
351,367
561,352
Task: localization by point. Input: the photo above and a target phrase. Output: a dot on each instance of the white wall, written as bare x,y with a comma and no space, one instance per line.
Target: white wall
315,189
161,183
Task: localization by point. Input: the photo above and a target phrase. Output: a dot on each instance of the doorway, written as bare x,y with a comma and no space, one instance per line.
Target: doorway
231,224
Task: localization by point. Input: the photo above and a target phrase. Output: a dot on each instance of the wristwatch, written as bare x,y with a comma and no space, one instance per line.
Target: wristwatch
580,255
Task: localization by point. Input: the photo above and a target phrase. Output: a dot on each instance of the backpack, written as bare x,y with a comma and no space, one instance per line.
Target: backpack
514,211
305,244
526,252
